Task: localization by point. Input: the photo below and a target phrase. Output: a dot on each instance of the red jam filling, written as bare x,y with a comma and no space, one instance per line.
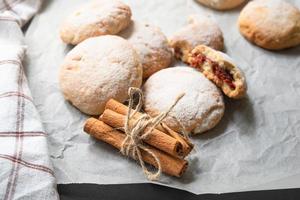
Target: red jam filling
222,74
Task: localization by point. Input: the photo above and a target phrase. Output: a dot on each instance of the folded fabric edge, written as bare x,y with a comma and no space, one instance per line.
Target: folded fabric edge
26,170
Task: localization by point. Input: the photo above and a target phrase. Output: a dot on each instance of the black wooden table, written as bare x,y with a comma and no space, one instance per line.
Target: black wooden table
157,192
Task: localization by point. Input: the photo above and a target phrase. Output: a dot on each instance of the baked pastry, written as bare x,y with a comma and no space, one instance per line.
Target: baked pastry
200,109
220,69
98,17
152,46
222,4
200,30
98,69
271,24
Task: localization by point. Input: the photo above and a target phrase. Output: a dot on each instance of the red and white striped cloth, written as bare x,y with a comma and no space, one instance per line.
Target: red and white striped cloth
25,168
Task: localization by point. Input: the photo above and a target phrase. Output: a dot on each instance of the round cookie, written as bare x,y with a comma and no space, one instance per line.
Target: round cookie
152,46
96,18
221,4
271,24
200,30
199,110
98,69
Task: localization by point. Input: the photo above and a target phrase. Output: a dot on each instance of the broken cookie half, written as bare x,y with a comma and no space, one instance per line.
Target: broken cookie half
220,69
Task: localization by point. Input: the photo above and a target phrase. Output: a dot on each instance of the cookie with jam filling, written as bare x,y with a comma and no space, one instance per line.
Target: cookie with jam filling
220,69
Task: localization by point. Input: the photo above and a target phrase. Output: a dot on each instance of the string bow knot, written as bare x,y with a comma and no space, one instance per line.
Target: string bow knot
135,134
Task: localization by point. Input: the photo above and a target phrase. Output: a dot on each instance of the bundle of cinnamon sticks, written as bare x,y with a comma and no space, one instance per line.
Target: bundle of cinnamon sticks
168,146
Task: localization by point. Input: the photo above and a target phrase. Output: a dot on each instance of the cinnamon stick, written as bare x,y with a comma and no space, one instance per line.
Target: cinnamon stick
155,138
187,146
120,108
170,165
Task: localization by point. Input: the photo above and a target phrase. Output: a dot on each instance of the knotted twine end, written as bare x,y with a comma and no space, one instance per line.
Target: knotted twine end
135,134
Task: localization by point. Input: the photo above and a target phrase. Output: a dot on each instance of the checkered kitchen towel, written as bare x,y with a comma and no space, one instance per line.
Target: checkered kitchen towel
25,168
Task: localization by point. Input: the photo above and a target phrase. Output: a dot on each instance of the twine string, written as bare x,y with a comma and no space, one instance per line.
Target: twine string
135,133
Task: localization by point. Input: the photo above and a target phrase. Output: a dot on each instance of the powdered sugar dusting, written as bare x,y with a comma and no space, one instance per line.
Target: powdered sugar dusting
152,46
199,110
271,24
97,70
201,29
98,17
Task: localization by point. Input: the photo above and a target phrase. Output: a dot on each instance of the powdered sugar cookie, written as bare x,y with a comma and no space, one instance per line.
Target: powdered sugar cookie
152,46
98,69
219,68
222,4
271,24
199,110
99,17
200,30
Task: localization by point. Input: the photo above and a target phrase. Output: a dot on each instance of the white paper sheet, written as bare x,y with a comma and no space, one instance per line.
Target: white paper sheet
257,141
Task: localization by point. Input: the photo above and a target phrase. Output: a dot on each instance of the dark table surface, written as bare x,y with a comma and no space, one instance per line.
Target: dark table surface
152,191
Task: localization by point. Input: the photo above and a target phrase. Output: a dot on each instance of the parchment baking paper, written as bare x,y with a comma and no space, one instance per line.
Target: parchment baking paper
257,141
